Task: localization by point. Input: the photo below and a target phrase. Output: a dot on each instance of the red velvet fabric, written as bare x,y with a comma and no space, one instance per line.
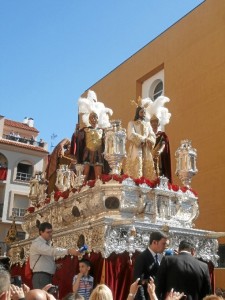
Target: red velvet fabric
212,276
24,272
3,173
119,274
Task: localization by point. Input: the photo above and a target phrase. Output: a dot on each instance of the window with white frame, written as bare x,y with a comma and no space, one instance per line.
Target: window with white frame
153,87
18,212
20,205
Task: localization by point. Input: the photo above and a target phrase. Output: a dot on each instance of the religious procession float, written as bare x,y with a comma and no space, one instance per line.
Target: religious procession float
109,188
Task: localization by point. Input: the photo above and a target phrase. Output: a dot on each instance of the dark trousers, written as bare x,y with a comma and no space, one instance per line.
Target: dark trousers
41,279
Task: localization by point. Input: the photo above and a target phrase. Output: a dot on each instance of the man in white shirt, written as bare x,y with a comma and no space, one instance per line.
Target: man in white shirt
42,256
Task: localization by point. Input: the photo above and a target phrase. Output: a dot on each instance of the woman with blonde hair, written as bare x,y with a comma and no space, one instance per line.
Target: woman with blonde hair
213,297
101,292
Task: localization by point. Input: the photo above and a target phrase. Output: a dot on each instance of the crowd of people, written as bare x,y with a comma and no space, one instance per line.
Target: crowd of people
15,136
156,276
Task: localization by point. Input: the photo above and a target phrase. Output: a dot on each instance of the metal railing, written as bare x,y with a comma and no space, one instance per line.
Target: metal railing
23,140
23,176
18,212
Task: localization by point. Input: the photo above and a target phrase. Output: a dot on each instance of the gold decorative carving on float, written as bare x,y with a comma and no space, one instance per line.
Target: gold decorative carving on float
118,217
11,234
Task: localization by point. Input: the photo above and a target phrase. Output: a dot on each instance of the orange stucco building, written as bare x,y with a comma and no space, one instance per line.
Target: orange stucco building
189,60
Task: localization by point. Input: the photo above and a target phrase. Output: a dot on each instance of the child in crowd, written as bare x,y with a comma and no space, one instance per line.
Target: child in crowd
83,282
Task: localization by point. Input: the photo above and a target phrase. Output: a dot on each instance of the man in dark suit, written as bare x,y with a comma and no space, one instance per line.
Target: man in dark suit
147,263
183,273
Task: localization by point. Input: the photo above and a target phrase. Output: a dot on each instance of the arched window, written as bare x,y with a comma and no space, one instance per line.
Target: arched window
24,171
158,91
153,87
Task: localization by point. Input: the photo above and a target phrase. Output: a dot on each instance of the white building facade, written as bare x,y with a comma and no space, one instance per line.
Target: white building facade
21,156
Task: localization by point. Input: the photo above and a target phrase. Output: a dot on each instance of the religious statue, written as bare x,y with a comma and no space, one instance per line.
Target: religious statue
94,119
90,147
91,104
64,178
34,188
141,139
159,117
38,186
60,156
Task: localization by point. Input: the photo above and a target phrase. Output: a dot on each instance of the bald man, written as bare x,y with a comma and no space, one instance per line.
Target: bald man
38,294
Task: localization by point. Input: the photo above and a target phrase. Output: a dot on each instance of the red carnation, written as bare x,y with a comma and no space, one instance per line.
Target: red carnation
91,183
57,195
31,209
65,194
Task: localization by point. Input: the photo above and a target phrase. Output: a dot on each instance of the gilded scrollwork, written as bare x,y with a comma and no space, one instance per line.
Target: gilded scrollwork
107,228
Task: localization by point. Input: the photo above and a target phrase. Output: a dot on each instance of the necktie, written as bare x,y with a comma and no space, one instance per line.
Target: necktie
156,259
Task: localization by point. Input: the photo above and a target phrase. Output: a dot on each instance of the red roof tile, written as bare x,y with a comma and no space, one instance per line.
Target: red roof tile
22,145
15,124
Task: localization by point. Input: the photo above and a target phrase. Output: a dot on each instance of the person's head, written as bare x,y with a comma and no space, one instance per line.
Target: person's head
140,113
36,294
158,241
93,119
45,231
154,121
78,297
101,292
84,266
4,284
73,296
212,297
186,246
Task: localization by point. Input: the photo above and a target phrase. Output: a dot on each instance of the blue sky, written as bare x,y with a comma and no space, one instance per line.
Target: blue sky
51,51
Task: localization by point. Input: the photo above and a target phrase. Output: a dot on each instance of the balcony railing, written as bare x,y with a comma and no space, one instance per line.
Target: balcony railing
23,176
18,212
23,140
